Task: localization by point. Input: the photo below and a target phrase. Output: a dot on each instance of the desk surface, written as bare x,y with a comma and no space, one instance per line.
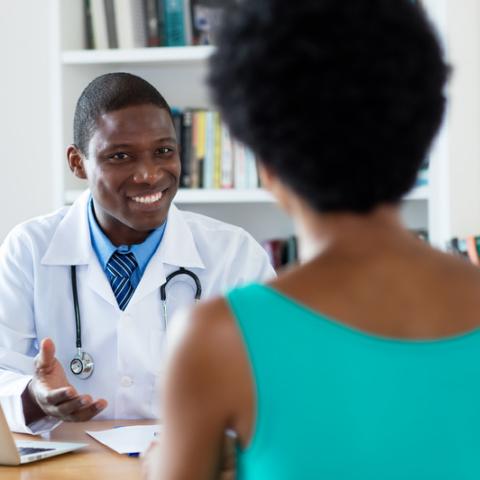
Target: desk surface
89,463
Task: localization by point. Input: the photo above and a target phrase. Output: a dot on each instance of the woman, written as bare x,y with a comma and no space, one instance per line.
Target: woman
362,362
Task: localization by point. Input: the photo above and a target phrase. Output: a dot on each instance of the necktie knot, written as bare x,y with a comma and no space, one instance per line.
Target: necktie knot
121,266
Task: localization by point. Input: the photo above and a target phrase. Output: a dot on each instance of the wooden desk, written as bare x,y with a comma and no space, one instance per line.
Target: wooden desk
90,463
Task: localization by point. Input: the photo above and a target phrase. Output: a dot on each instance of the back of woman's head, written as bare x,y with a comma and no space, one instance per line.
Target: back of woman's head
340,98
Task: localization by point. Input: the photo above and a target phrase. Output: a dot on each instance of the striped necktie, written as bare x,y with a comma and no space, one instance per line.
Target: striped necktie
121,266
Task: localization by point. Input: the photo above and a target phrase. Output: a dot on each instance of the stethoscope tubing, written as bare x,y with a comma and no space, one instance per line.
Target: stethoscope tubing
82,357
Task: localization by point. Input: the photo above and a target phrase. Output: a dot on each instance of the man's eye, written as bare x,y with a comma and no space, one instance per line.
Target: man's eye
163,150
119,156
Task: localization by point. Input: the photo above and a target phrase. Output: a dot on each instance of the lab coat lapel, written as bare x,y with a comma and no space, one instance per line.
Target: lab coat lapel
71,245
177,249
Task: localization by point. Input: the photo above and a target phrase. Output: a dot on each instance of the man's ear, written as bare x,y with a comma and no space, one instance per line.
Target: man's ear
76,161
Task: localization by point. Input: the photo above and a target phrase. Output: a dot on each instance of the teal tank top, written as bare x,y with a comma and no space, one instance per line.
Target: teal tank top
334,403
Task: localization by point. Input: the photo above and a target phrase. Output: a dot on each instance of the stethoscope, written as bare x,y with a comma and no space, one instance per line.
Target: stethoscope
82,364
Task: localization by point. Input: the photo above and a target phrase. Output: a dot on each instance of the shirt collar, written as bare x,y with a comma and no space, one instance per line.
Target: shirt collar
104,248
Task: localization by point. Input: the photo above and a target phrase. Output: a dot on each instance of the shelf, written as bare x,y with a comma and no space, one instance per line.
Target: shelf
199,196
156,55
254,195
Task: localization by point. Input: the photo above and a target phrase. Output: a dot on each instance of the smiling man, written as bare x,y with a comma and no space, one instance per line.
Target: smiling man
82,321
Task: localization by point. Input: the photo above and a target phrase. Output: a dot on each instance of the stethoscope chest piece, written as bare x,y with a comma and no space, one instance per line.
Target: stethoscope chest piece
82,365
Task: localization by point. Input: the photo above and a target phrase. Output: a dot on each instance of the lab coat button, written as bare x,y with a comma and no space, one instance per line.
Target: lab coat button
126,382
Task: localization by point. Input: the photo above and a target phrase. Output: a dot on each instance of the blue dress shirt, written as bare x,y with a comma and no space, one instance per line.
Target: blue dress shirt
104,248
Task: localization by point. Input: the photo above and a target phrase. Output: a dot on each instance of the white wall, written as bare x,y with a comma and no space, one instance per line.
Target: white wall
26,184
27,97
463,38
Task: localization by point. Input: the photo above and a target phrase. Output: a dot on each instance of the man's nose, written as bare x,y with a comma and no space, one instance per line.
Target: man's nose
147,171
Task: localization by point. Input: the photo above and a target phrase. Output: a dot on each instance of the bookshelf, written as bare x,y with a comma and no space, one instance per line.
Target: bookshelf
178,73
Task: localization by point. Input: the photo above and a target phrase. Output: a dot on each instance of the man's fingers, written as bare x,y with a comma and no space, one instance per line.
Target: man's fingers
60,395
89,412
71,407
46,355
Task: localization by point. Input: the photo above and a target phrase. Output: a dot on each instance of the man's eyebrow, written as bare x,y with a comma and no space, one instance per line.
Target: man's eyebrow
166,139
127,145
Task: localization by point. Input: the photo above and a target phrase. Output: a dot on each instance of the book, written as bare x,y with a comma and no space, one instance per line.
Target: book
274,249
130,23
174,18
226,180
111,26
217,151
281,251
152,27
99,24
239,176
87,15
186,153
209,159
205,17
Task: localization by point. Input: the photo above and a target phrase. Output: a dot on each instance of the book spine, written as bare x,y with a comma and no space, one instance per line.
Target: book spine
208,163
174,23
217,150
111,26
274,249
130,22
99,23
89,38
227,159
239,165
150,9
205,18
187,22
161,23
186,154
251,177
200,143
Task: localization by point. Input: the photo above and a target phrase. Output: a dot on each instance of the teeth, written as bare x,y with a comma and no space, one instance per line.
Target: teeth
148,198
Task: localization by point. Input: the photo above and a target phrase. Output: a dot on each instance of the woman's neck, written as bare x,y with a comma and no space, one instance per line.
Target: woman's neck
347,232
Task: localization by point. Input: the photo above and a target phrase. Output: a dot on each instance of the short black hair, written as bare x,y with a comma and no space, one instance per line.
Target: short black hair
341,98
108,93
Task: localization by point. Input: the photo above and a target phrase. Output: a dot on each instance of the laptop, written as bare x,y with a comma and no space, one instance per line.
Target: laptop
19,452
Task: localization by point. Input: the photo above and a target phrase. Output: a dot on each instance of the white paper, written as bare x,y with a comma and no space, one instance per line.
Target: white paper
133,439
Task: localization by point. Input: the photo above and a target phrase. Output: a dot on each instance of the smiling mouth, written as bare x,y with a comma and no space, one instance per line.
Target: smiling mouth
148,199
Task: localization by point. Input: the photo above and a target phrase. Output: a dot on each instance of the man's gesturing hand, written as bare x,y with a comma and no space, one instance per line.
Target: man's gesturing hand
49,392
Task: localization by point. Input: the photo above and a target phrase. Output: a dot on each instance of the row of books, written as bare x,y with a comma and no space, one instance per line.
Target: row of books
281,251
150,23
210,157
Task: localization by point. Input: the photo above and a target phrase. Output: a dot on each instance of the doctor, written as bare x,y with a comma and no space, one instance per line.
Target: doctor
103,323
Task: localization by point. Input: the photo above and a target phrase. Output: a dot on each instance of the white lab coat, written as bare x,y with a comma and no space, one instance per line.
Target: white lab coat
127,346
